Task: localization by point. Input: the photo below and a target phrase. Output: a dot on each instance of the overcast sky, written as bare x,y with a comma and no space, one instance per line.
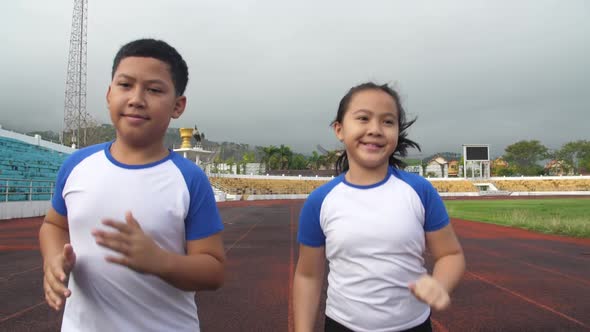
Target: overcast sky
273,72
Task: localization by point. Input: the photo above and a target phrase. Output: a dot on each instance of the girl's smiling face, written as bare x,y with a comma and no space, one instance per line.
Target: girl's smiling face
369,130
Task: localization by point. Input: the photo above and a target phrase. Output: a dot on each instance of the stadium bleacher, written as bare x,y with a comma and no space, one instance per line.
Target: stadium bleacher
27,172
250,186
461,186
540,185
270,186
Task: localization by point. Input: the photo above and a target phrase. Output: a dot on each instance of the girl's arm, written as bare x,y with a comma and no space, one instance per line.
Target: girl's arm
449,265
448,256
307,286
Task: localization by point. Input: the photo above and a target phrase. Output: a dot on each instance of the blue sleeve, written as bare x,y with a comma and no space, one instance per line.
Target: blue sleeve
310,231
435,213
202,219
57,202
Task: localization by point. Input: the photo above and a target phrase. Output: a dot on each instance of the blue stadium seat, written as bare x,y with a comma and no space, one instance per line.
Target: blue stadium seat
23,166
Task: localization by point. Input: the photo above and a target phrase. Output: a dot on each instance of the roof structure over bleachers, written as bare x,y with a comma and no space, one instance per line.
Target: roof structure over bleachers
36,140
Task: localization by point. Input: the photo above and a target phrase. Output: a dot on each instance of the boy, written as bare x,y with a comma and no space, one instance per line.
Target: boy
134,225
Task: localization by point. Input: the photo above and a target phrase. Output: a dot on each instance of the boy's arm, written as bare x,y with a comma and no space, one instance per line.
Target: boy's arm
307,286
58,258
54,234
201,268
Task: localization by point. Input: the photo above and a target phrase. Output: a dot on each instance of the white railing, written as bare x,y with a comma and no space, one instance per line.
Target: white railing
270,177
13,190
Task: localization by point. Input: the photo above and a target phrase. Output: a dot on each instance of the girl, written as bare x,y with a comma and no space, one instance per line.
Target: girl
372,224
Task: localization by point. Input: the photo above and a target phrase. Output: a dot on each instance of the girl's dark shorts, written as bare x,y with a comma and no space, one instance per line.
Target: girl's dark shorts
333,326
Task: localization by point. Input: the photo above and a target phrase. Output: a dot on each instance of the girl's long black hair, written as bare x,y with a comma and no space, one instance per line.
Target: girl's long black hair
403,142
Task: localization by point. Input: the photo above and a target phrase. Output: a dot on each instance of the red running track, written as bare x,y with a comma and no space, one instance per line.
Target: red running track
516,280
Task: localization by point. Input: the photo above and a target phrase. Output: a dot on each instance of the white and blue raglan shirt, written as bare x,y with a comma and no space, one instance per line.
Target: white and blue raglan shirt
374,237
173,202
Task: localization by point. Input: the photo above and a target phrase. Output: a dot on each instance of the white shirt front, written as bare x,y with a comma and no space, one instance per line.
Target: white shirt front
173,202
374,241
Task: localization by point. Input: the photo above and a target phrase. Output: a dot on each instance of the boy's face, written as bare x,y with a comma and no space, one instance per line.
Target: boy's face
142,100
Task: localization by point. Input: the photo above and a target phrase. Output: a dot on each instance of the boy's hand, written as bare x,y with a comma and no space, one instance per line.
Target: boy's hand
56,272
430,291
139,251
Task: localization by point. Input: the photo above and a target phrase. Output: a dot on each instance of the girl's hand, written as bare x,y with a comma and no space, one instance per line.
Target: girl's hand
55,277
139,251
430,291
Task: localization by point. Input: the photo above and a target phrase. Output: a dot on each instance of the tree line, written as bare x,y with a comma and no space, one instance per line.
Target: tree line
524,157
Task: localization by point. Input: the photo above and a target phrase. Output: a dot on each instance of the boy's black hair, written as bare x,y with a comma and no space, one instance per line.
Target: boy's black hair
157,49
403,142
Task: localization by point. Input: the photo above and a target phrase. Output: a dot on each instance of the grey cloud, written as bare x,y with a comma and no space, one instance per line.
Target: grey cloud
267,72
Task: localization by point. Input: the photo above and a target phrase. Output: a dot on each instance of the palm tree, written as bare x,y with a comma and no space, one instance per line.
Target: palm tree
314,160
285,155
299,162
247,158
230,162
216,161
267,153
330,158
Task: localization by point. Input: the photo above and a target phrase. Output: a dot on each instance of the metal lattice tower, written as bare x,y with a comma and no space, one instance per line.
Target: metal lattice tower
76,119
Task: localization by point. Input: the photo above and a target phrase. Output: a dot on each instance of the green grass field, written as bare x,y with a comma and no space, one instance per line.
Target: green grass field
562,216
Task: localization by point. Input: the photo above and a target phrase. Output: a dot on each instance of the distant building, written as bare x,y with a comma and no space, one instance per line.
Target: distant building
453,168
437,167
499,162
558,167
416,169
245,169
499,167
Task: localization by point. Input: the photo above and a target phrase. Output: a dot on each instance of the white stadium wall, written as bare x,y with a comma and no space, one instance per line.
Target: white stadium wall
37,140
26,209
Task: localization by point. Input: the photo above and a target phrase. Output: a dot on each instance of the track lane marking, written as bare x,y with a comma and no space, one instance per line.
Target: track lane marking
527,299
21,312
290,322
534,266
